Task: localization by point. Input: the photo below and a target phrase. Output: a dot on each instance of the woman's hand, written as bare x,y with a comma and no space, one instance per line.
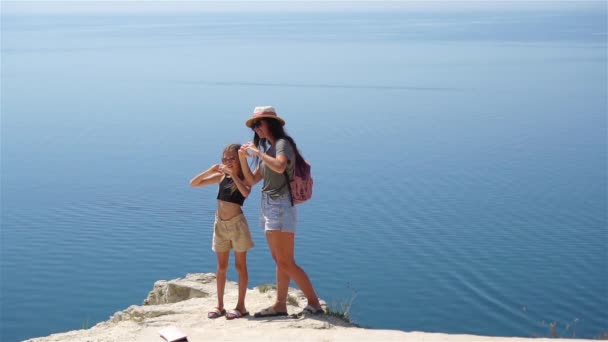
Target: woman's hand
254,150
216,168
249,147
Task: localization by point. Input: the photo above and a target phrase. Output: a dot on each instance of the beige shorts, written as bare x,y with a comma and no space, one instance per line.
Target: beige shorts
231,234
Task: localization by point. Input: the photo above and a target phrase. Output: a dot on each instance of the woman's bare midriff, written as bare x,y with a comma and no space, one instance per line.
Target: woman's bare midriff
227,210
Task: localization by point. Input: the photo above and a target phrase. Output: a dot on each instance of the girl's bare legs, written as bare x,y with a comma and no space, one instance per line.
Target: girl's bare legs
241,267
222,267
281,246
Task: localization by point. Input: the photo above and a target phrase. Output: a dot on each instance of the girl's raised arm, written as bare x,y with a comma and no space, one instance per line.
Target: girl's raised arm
210,176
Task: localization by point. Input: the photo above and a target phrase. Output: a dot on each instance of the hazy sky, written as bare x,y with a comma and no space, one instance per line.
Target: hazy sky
267,6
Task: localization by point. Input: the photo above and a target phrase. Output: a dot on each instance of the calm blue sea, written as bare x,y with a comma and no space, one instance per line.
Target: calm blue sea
459,160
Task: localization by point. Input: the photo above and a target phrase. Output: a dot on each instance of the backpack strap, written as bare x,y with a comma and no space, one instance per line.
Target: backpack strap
288,187
287,176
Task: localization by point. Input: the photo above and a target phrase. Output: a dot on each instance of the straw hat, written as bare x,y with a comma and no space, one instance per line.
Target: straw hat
264,112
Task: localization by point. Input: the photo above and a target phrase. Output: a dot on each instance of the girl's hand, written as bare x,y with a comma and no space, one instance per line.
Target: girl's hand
216,168
227,171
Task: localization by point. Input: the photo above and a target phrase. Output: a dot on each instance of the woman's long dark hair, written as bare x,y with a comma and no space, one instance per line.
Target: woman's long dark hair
278,132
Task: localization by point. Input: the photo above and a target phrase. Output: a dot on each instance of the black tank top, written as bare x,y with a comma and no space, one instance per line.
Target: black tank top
224,193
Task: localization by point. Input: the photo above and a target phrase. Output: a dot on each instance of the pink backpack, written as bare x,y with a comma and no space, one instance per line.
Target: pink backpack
301,184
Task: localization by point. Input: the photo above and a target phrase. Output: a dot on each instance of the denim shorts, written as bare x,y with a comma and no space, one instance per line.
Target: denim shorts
278,214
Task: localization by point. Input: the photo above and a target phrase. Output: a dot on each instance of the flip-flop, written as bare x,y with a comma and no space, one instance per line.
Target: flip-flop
236,314
270,312
216,312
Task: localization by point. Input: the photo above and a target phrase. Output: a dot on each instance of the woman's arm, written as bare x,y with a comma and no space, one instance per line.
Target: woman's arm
210,176
278,164
251,178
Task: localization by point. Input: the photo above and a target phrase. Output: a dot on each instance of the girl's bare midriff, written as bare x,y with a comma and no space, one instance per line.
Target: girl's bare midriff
228,210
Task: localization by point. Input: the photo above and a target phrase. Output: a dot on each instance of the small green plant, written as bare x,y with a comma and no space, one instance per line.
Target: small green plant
339,312
292,300
341,309
266,287
86,324
602,336
568,329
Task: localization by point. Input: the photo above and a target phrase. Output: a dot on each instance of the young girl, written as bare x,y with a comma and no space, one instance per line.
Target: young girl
230,230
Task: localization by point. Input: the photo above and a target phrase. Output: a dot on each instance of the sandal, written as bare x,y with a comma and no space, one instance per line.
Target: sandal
311,310
216,312
270,312
236,313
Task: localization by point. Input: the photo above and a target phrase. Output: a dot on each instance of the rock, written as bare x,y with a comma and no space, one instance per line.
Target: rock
177,290
184,303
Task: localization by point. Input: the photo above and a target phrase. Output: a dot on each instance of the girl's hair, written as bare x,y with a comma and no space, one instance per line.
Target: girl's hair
277,131
234,148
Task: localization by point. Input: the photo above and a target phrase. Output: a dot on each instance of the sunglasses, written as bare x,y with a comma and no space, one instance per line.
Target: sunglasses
229,159
256,124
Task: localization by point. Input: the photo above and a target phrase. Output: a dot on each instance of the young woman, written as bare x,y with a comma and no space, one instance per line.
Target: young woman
276,154
230,230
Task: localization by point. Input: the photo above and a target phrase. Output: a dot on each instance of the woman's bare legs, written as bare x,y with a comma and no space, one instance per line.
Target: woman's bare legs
281,246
